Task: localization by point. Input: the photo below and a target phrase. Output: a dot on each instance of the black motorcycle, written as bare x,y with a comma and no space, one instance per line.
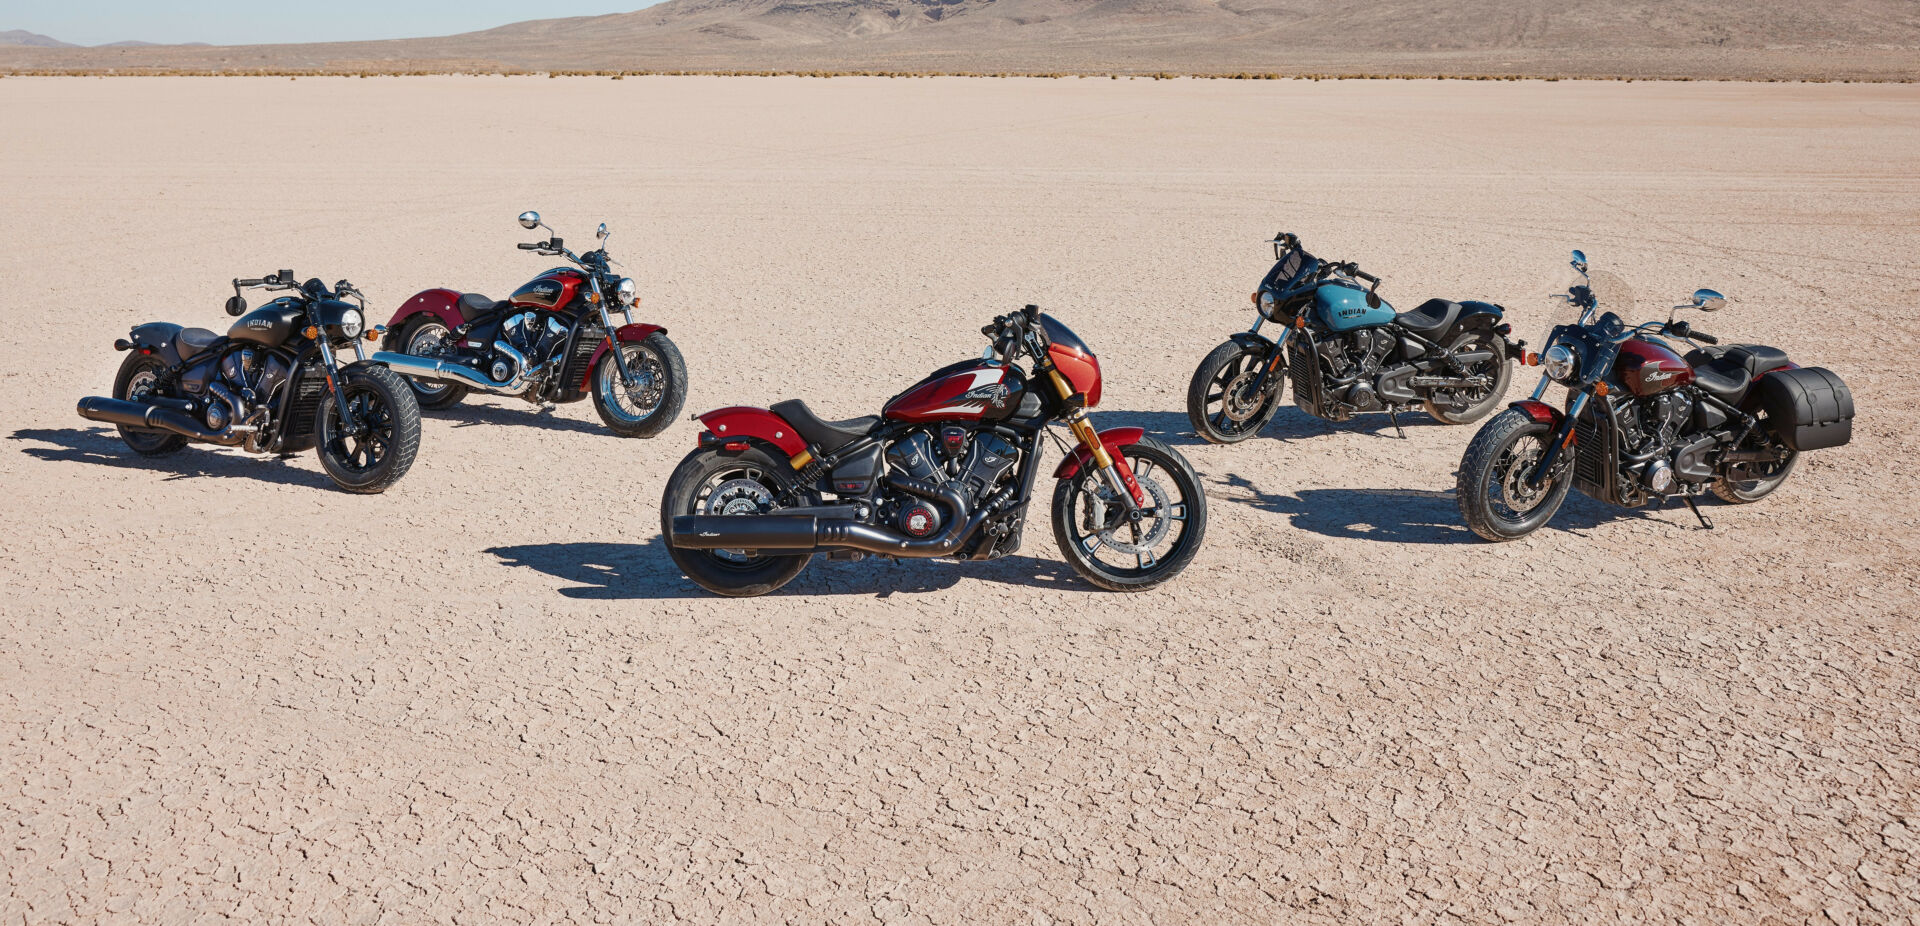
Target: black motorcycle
1347,351
272,384
1645,422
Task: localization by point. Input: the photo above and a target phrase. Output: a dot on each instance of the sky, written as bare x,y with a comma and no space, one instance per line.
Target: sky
245,22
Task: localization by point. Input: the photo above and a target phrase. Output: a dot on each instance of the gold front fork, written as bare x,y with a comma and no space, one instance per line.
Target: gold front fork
1090,439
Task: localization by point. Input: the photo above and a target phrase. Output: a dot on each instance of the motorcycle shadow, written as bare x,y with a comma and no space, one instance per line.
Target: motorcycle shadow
1290,423
1402,515
103,447
640,571
467,414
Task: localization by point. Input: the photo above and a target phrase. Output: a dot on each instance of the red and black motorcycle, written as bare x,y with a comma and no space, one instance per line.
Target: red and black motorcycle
551,341
946,470
1644,423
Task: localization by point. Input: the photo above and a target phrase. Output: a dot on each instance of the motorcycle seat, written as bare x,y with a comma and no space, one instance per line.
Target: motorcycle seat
474,305
1722,380
191,341
1431,319
827,435
1754,358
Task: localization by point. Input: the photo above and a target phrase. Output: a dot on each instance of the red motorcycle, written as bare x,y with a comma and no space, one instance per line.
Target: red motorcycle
946,470
551,341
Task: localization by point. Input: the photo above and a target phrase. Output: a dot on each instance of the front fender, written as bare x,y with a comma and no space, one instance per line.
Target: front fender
440,303
1112,438
1252,343
743,422
627,334
1539,411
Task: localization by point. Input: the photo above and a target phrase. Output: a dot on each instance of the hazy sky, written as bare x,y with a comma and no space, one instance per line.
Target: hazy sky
240,22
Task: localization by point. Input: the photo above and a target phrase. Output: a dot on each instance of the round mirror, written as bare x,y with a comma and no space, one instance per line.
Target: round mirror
529,220
1706,300
602,232
236,306
1580,261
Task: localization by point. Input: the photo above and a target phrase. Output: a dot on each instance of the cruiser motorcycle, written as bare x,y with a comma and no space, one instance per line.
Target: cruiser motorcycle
945,470
1645,423
272,384
553,340
1347,351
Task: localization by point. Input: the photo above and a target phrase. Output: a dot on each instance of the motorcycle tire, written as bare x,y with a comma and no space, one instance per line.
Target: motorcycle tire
1488,463
661,359
733,573
432,396
140,440
1150,460
1501,380
1222,367
371,462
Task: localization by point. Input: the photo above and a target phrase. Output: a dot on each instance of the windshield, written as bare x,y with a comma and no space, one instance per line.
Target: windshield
1062,336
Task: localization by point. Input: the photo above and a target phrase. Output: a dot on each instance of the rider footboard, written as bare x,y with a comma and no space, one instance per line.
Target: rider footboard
1808,409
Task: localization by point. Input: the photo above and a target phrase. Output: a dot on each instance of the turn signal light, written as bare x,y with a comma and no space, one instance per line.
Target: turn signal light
1256,298
1529,359
1600,388
312,333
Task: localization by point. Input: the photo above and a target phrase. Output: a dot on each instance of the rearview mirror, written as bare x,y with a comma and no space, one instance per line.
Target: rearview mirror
1580,261
601,233
1706,300
236,306
529,220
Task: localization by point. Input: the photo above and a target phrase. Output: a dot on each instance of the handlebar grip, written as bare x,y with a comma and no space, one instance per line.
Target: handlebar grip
528,246
1704,338
249,282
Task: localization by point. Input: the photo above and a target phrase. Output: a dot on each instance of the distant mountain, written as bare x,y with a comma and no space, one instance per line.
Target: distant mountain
24,39
1624,38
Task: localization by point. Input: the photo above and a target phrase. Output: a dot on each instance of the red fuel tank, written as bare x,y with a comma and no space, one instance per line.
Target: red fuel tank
1646,368
968,391
550,290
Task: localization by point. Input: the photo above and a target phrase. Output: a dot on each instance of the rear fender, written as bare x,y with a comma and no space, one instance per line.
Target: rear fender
439,303
1112,438
1476,316
1539,411
627,334
742,422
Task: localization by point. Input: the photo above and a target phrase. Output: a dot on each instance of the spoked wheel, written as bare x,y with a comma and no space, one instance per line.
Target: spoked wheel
1106,545
724,482
1494,491
428,337
1760,479
1221,406
1470,404
648,404
139,374
372,451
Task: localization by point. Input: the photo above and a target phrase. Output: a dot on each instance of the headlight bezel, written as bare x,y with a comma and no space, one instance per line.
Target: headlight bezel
624,290
1268,306
352,323
1560,362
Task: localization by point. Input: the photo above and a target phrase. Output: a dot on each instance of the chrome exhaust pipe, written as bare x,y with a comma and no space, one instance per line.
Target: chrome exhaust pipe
446,371
154,418
799,533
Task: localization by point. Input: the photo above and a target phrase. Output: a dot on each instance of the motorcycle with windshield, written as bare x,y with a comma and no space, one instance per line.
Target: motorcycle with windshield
272,384
1347,351
553,340
1643,422
945,470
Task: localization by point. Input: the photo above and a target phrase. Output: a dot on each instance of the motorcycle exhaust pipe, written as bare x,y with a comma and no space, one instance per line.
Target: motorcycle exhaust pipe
152,417
447,371
796,533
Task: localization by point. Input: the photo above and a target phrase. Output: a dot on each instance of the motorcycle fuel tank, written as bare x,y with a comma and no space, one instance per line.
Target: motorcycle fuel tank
1341,307
1646,368
968,391
550,290
269,325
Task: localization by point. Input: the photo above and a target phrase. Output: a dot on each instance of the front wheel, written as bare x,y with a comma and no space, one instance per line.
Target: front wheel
1466,405
648,404
370,453
728,482
1106,545
1494,490
1220,406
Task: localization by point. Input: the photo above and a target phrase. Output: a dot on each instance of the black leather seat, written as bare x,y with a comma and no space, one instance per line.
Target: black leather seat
191,341
1431,319
1754,358
474,305
1722,380
827,435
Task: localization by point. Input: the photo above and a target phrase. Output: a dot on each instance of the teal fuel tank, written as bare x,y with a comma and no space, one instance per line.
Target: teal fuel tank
1343,307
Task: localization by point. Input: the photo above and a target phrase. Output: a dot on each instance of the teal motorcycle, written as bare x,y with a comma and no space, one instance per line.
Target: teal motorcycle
1347,351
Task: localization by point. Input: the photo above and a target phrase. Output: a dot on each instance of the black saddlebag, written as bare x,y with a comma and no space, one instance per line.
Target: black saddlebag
1808,409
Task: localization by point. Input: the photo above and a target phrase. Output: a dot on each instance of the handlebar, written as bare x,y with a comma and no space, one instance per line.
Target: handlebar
528,246
1681,329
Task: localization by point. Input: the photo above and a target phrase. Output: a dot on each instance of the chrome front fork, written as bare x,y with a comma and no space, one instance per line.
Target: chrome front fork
613,337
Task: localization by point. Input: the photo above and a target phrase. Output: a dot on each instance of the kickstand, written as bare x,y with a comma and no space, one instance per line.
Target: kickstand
1394,417
1704,521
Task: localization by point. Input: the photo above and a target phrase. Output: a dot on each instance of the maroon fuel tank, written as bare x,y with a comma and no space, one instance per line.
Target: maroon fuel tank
969,391
550,290
1646,368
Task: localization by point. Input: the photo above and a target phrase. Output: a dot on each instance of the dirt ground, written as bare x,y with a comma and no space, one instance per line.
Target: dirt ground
232,691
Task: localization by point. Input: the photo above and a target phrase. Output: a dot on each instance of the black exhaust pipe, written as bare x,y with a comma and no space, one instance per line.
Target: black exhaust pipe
151,417
796,533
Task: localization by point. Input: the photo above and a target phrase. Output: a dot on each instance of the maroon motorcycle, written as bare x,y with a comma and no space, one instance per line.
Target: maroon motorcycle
553,340
946,470
1644,422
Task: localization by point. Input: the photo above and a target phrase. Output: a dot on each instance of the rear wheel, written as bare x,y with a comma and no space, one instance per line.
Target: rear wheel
371,454
1766,477
138,376
659,387
1493,491
427,336
1110,549
1470,404
1220,406
724,482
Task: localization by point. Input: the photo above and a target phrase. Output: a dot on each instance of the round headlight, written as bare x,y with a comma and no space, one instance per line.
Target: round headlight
625,289
351,323
1559,363
1267,304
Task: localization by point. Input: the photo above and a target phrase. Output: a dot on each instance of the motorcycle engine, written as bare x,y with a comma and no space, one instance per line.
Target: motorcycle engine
1356,355
248,380
1651,428
535,335
979,462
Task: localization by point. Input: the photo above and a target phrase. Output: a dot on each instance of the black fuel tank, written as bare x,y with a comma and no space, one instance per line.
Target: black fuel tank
270,325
